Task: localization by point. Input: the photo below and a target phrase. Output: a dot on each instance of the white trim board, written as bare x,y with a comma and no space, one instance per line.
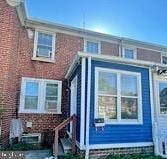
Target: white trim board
82,120
88,108
108,58
121,145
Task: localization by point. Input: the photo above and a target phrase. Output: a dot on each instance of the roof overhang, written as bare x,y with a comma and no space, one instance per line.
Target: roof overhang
112,59
30,22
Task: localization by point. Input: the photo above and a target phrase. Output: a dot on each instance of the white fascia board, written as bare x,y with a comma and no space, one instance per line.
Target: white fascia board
120,60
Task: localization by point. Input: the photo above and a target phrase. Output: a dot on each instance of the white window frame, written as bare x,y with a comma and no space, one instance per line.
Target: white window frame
45,59
158,81
163,54
130,48
41,96
94,41
119,120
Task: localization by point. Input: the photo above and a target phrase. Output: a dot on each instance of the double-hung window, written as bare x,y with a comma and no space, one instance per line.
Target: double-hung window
118,96
129,52
40,96
44,46
93,47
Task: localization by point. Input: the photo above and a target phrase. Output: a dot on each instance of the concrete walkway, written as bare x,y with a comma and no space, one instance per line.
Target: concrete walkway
38,154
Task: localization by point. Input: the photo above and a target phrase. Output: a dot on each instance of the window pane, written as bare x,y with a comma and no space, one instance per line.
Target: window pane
44,39
128,85
31,102
163,97
107,107
107,83
31,95
51,89
44,51
164,59
129,108
44,46
92,47
51,96
31,89
129,53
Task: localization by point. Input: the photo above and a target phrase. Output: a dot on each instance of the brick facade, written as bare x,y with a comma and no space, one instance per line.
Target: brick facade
103,153
9,36
16,50
109,48
148,55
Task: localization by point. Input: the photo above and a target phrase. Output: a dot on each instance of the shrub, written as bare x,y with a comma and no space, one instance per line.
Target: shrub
134,157
72,156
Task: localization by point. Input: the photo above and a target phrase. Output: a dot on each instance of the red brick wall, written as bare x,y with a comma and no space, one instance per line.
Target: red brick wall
16,50
148,55
109,48
9,33
66,48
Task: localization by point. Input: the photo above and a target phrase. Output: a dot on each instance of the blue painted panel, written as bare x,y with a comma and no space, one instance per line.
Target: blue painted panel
123,133
77,73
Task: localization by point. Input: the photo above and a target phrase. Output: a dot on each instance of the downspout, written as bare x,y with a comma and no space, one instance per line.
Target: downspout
120,48
153,110
88,108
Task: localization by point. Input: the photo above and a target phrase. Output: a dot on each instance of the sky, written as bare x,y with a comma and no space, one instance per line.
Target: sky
144,20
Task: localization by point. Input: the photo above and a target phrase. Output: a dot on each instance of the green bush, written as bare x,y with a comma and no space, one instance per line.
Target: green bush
72,156
134,157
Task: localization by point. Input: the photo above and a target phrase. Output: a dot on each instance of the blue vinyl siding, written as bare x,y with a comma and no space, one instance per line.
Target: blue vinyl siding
123,133
77,73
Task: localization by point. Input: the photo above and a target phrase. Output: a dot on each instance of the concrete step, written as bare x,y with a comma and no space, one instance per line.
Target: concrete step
37,154
66,144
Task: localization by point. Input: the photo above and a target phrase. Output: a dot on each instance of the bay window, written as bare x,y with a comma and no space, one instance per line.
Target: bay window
118,96
40,96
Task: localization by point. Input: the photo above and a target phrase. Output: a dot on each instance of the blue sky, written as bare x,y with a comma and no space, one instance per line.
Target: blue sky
144,20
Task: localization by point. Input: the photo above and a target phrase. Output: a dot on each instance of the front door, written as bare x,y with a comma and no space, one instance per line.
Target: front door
161,115
73,103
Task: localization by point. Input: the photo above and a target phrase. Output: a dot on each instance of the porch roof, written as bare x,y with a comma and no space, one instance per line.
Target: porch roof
111,59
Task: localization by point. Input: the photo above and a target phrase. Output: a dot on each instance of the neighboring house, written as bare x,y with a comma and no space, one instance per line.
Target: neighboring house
116,86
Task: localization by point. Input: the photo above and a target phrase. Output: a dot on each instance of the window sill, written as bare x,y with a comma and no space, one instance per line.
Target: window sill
42,59
33,112
123,122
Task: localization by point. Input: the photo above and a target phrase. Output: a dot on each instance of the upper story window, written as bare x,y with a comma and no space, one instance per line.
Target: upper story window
40,96
164,58
44,46
93,47
118,96
129,53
